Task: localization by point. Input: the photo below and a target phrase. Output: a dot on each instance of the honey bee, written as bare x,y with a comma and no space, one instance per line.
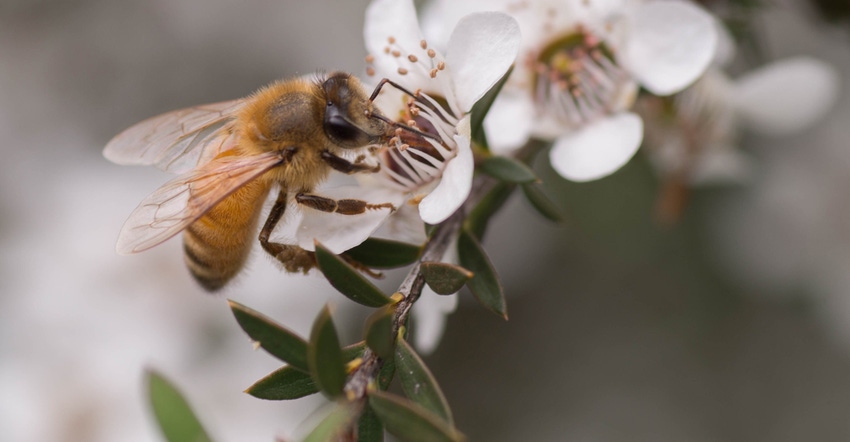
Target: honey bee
230,155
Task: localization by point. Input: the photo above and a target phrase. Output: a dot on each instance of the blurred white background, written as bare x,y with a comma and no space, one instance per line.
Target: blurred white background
731,326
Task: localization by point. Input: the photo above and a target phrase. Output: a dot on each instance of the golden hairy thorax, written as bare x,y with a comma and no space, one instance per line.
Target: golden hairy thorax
283,115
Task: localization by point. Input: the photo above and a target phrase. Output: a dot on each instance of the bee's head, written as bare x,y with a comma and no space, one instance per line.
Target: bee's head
347,119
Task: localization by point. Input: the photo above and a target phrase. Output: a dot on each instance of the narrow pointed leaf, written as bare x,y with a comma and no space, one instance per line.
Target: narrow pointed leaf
445,278
482,107
408,421
349,281
379,332
324,356
172,412
485,284
273,338
418,383
480,216
384,253
335,425
507,169
542,203
369,427
283,384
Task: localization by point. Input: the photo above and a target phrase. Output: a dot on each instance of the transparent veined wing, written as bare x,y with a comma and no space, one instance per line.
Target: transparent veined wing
177,141
183,200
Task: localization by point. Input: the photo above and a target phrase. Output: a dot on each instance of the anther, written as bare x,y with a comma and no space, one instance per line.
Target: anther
370,71
402,71
396,53
432,53
412,58
423,44
391,39
370,58
433,73
441,65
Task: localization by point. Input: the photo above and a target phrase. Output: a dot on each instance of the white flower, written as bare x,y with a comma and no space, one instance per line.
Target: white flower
435,169
583,61
693,134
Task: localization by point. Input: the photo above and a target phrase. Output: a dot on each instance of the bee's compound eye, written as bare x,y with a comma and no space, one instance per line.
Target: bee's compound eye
341,130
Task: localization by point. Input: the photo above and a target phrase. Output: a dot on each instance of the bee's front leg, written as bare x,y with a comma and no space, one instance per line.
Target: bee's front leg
345,166
343,206
294,258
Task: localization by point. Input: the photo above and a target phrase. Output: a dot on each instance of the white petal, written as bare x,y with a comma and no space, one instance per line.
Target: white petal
429,319
481,49
726,48
341,232
599,149
786,96
670,45
396,19
454,186
508,123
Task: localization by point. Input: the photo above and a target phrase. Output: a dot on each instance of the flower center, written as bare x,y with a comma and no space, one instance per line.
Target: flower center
419,151
577,78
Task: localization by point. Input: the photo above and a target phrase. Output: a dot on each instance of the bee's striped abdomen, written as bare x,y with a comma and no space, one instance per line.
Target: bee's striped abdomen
217,244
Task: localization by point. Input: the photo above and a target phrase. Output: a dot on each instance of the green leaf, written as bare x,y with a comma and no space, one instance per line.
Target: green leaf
379,335
273,338
171,411
349,281
482,107
334,425
445,278
283,384
485,284
384,253
489,205
507,169
542,203
408,421
369,427
324,356
418,383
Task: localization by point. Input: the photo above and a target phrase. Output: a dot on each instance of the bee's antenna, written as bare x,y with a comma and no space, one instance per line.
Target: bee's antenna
415,96
404,127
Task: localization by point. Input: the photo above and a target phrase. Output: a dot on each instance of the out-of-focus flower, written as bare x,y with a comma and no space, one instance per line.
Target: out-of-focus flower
692,136
582,64
432,167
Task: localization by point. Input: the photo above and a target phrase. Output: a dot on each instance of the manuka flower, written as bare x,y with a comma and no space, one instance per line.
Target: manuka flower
582,63
692,136
433,166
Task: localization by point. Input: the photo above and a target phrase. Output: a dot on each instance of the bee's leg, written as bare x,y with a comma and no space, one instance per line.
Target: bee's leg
343,206
345,166
294,258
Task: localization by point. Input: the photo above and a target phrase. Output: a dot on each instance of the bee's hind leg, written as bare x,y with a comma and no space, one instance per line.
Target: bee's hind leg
294,258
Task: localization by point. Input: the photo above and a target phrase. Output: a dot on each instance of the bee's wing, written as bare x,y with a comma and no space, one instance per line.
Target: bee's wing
186,198
177,141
